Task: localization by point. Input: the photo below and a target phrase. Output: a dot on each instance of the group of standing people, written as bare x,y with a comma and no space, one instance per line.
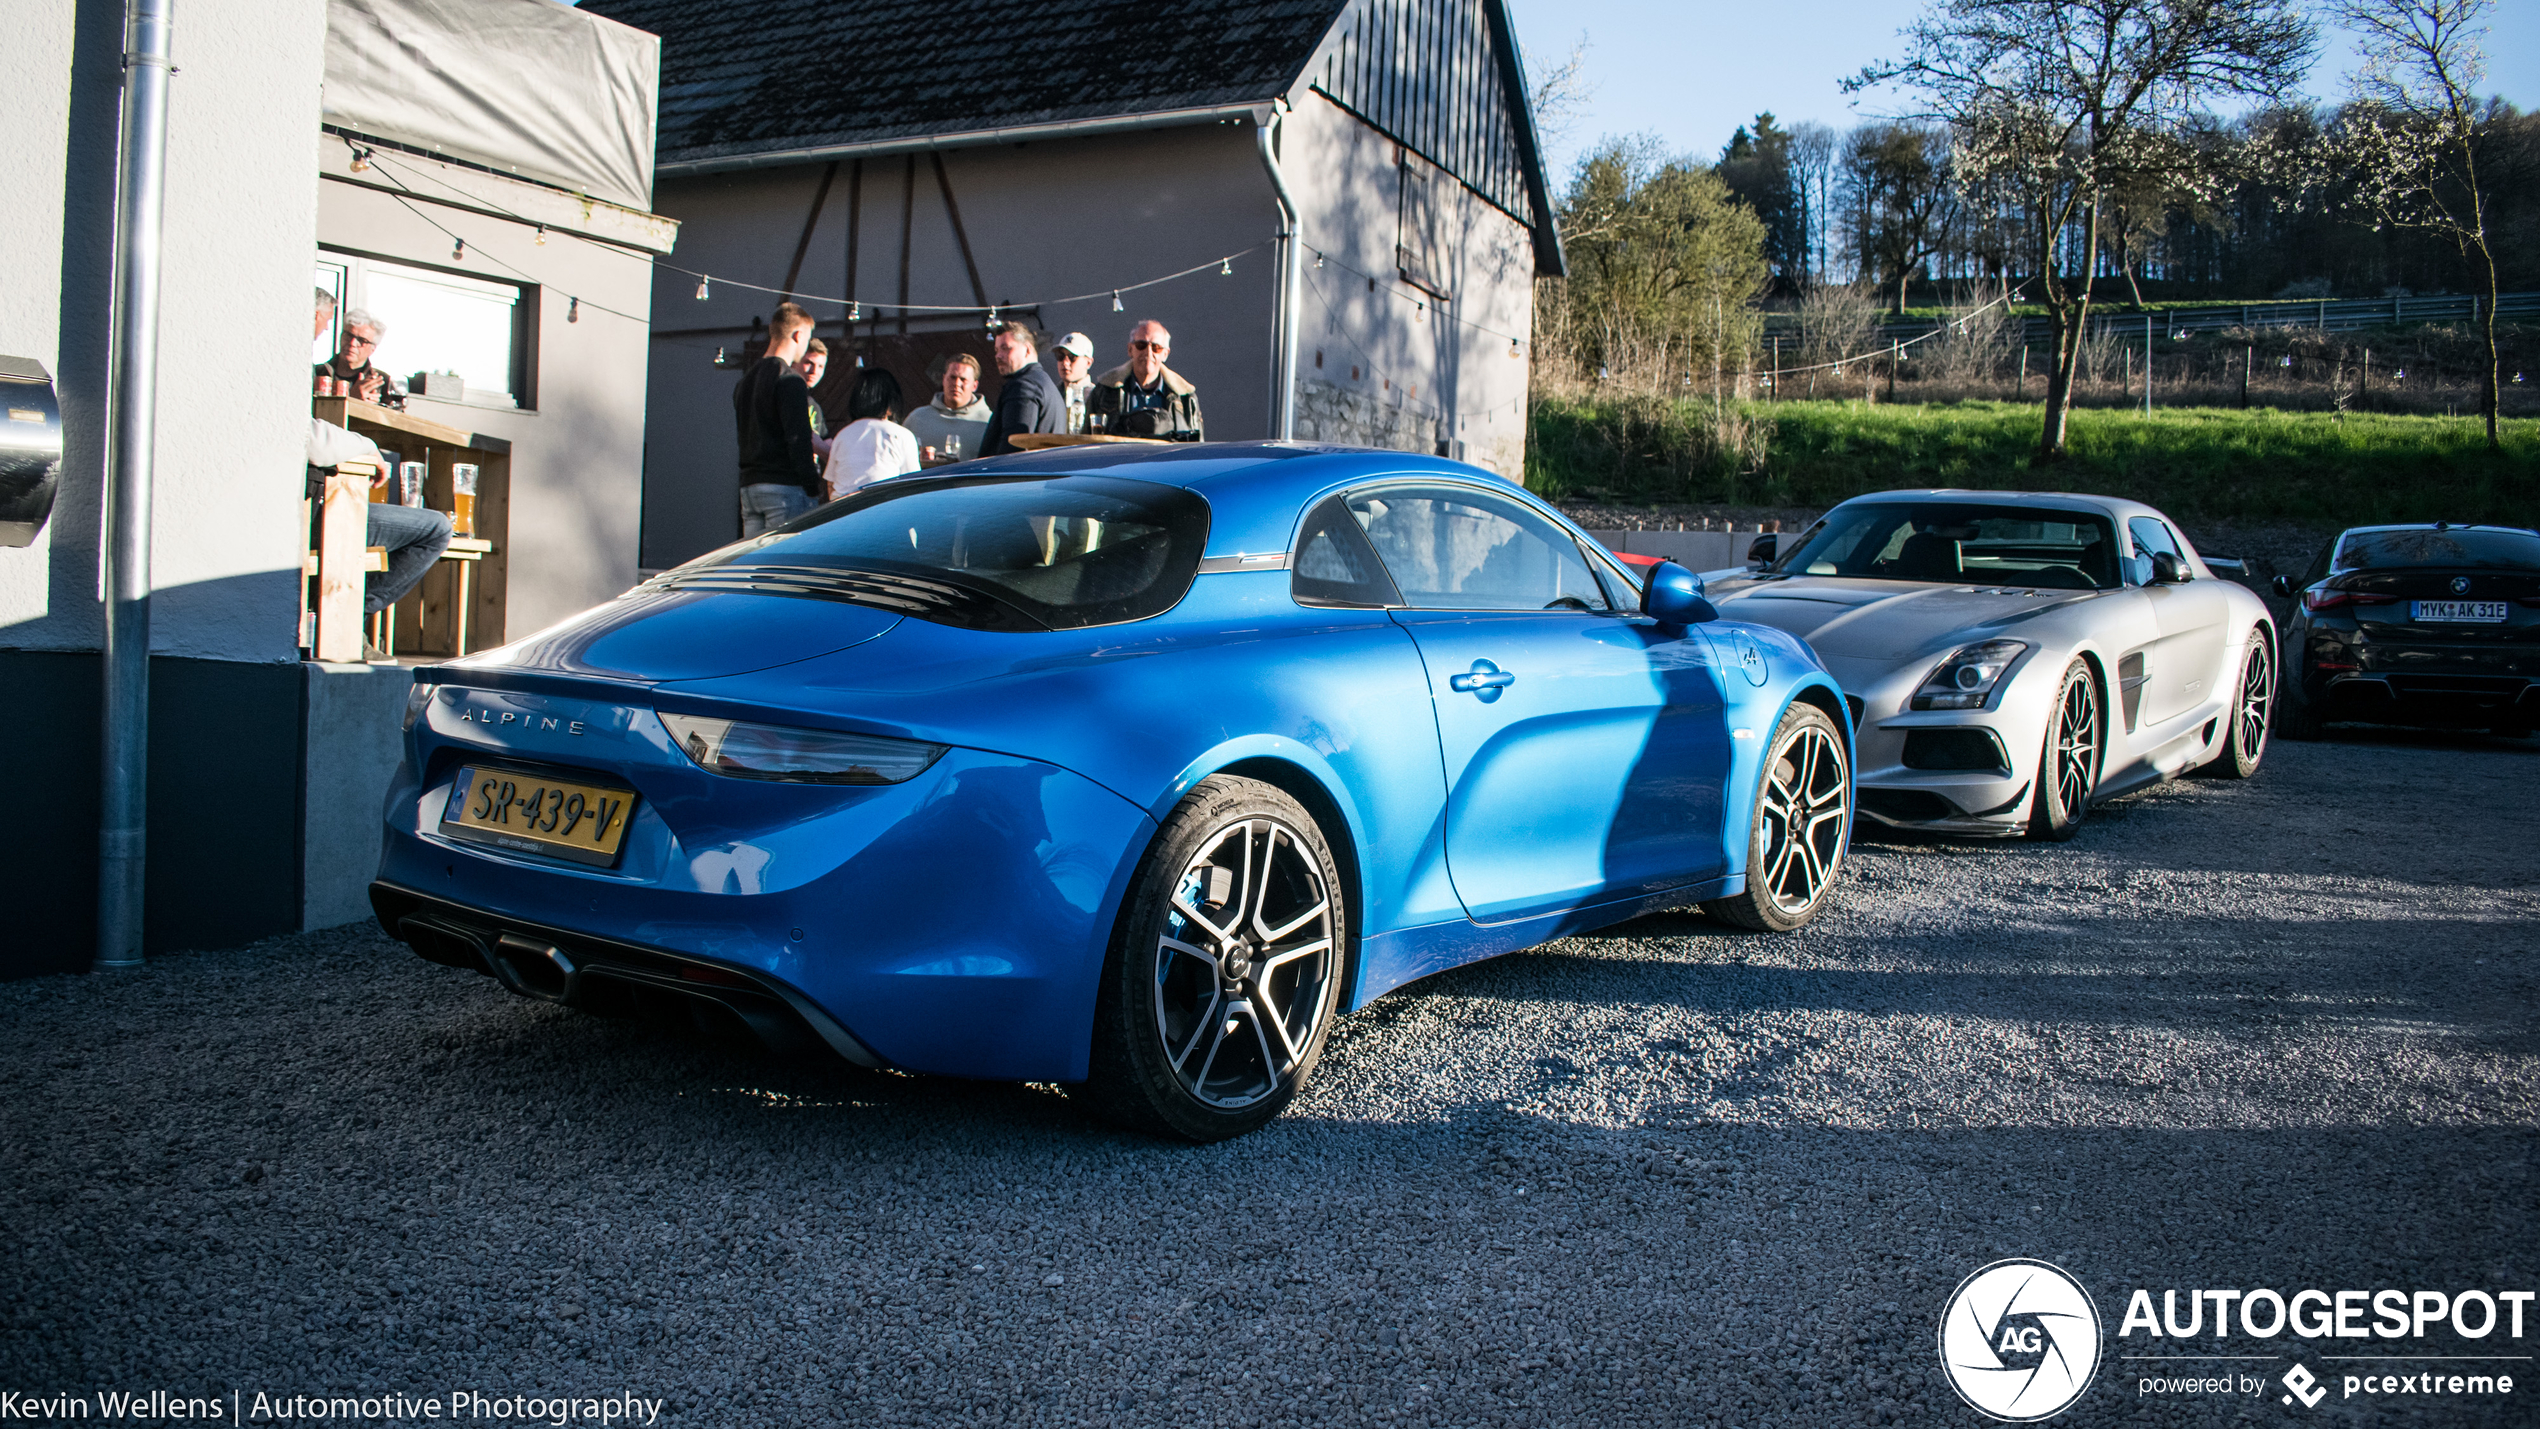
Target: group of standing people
791,462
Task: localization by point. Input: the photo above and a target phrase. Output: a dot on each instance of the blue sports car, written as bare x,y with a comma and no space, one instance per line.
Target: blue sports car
1124,767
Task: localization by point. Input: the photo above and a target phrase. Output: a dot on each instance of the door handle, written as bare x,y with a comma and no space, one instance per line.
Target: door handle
1485,680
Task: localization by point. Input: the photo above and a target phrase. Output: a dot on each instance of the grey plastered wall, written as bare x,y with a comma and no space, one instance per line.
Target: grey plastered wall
1373,368
577,454
1045,220
351,727
232,393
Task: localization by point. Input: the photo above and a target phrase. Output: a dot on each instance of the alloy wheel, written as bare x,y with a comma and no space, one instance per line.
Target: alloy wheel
1805,816
2257,703
2076,745
1243,963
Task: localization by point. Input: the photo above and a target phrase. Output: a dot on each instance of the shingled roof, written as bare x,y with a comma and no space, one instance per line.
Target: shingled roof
786,81
784,75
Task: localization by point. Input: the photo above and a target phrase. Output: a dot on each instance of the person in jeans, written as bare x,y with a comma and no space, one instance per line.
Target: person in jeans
955,415
413,536
1144,398
872,446
1029,401
771,408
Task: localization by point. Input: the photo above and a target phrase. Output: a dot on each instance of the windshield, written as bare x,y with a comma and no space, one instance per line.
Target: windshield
1954,541
1014,553
2453,547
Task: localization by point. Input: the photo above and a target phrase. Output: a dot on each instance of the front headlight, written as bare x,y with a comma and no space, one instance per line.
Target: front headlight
789,755
1966,679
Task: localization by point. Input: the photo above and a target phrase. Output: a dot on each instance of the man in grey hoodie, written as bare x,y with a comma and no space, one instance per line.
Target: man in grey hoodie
956,413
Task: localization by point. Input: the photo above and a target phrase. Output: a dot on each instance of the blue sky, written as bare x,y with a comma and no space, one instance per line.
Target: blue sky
1691,71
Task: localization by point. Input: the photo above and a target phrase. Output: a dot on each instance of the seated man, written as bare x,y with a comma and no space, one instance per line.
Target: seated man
352,366
1143,397
414,536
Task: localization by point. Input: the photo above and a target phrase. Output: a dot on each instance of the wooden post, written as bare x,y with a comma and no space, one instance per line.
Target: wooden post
343,540
2248,369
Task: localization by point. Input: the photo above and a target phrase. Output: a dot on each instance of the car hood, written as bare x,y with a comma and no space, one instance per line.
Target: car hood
1856,621
655,636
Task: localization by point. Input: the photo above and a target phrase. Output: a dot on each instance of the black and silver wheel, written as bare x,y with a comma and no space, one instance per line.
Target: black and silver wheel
2252,715
1225,968
2068,767
1802,825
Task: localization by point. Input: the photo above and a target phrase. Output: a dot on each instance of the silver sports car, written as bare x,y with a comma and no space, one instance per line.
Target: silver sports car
2009,656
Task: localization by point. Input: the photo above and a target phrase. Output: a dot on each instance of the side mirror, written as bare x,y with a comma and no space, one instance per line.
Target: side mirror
1673,596
30,449
1765,548
2168,569
2283,586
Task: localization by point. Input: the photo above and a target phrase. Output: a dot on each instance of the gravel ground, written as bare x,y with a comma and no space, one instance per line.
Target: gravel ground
2277,1033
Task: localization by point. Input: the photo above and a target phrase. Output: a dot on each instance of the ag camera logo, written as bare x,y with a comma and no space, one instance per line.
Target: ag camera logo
2019,1340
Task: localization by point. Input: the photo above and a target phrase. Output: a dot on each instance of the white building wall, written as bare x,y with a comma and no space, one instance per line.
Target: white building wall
233,404
1373,368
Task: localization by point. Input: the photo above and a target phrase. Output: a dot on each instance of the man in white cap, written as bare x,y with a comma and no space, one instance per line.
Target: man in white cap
1074,357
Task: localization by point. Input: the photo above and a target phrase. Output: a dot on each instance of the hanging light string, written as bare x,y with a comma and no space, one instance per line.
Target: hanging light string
574,301
1332,323
1223,263
1959,323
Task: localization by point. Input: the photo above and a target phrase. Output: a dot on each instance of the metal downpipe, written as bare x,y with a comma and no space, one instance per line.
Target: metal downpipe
132,400
1291,279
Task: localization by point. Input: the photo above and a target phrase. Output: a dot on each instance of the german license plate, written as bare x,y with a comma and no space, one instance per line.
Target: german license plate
2458,611
532,813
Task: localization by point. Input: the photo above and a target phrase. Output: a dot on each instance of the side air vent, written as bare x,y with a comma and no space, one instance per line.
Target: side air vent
910,595
1965,749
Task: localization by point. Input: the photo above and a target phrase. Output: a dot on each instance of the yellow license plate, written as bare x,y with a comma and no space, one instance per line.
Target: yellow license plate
532,813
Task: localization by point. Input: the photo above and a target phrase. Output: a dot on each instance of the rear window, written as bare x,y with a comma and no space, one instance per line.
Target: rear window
1050,553
2453,547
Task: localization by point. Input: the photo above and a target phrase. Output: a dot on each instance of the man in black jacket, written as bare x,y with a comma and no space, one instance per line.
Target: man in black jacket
771,405
1030,400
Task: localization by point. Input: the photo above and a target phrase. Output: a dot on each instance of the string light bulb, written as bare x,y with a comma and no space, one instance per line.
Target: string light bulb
542,235
1115,302
1225,267
718,356
1512,348
573,310
458,249
1419,312
702,280
361,161
855,314
992,319
1318,261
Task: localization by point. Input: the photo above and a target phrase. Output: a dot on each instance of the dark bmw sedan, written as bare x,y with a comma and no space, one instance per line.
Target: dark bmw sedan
2434,625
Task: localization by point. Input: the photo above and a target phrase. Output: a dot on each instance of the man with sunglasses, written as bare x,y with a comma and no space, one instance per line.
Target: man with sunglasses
351,365
1145,398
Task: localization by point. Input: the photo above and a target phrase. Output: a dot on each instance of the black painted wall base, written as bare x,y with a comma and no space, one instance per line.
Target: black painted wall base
225,768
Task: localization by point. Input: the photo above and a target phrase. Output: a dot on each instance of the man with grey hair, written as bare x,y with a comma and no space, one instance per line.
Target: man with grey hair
352,367
1143,397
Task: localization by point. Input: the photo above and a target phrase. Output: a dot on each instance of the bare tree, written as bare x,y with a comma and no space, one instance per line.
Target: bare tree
1903,198
2053,99
1812,151
1560,92
2413,132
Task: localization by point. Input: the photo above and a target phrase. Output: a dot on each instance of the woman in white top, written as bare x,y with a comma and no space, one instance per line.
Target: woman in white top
872,446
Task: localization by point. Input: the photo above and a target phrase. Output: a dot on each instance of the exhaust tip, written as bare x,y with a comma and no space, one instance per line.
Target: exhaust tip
533,968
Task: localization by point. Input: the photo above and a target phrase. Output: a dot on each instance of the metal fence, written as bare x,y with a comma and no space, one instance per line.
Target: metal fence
2323,314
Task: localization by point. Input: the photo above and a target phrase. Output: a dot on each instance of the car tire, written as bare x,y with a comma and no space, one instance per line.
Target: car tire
1800,829
2252,715
1225,967
2068,765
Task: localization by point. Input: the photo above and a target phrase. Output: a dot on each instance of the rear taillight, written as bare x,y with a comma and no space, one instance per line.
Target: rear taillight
2327,598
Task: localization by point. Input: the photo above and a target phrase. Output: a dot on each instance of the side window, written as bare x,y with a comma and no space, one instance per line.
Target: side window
2150,536
1334,565
1449,548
